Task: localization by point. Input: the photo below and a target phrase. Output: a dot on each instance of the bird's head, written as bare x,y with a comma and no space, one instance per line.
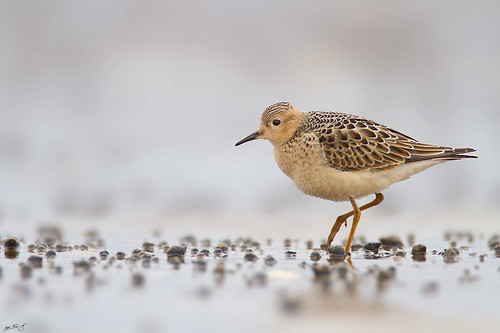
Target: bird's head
277,124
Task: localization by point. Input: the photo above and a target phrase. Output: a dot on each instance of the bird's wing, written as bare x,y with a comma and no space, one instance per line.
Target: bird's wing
352,143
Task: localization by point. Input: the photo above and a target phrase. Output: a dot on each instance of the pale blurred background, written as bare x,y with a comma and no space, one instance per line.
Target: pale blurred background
132,108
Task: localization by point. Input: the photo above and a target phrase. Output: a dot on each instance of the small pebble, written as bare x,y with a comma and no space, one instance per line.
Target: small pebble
336,253
493,241
451,255
11,243
205,252
419,249
337,250
148,247
315,256
496,250
120,255
419,253
41,248
290,254
176,251
35,261
270,261
250,257
222,247
50,254
373,246
218,252
62,248
104,254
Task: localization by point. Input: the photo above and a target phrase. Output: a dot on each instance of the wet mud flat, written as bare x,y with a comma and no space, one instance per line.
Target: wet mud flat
84,282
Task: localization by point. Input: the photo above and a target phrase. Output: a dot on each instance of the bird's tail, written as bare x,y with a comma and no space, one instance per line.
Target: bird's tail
458,153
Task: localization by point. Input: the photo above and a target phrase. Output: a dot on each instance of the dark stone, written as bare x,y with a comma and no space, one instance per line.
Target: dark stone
11,243
35,261
315,256
372,246
250,257
419,249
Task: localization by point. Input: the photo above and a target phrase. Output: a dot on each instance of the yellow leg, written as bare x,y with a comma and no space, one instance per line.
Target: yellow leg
342,219
355,221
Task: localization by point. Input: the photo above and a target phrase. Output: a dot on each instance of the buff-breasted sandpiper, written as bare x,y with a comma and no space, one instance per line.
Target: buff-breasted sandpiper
343,157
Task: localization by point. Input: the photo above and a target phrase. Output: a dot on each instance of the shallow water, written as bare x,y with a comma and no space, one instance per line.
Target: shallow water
225,292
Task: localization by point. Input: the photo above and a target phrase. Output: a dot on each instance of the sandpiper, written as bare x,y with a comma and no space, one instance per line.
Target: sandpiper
343,157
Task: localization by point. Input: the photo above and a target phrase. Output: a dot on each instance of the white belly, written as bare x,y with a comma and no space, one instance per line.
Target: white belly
313,177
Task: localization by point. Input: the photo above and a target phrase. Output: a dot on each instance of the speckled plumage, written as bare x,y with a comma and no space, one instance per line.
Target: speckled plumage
340,157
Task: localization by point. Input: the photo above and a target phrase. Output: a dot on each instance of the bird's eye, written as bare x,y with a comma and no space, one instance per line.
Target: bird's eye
276,122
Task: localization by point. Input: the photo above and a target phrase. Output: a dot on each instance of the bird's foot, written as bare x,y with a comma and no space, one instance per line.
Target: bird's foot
342,219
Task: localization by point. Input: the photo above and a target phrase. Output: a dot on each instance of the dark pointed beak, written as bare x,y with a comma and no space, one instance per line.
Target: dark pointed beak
253,136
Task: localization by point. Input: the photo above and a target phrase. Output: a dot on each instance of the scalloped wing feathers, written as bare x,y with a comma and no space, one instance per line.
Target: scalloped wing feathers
352,143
